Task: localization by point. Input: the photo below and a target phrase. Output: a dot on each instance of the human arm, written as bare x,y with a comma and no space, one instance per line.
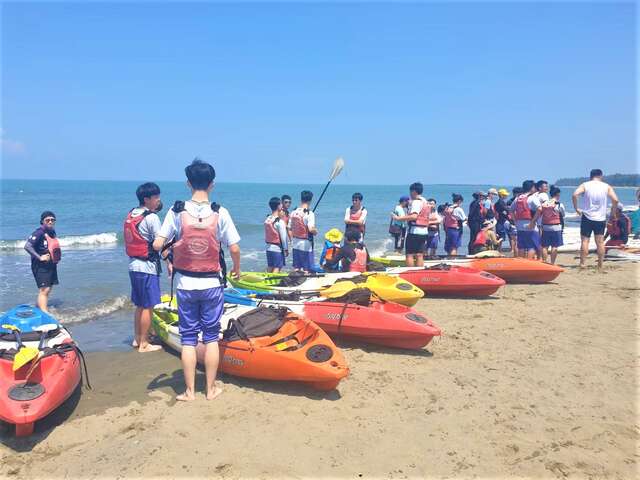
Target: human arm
284,238
574,199
613,197
234,251
29,246
311,223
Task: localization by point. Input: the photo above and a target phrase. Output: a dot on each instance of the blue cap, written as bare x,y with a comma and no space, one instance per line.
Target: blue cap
404,198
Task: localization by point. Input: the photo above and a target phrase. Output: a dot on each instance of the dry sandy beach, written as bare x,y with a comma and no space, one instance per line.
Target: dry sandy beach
539,381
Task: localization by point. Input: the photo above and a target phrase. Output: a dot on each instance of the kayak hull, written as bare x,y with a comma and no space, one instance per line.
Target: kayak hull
381,323
56,376
453,281
288,355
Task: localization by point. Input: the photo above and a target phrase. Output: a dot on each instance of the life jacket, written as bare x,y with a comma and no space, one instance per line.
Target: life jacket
522,210
423,214
53,247
271,234
331,252
285,217
449,220
355,217
550,215
481,239
617,233
359,264
298,228
197,253
135,244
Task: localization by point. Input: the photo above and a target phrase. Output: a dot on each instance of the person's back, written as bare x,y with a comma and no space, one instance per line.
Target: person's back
595,200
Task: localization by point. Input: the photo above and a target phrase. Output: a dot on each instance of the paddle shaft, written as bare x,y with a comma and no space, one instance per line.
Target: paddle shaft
321,195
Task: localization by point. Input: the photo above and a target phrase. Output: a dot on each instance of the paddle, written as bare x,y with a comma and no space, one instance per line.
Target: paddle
24,354
43,329
338,165
338,289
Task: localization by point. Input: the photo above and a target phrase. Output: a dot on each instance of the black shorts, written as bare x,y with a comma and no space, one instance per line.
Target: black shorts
415,243
587,227
45,273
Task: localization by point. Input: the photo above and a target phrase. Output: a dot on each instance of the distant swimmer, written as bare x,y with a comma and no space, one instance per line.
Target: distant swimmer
355,217
552,213
141,226
398,228
593,213
44,248
199,230
275,236
303,228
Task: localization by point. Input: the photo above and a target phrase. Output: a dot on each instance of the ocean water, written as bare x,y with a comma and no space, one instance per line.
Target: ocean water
94,284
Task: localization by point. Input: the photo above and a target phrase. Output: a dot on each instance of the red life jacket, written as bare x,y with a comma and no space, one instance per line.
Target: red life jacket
522,210
481,239
197,253
359,264
298,228
53,247
271,234
423,214
355,217
550,215
449,220
331,253
135,244
614,230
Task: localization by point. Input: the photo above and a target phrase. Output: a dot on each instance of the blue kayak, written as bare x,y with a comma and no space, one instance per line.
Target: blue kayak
26,318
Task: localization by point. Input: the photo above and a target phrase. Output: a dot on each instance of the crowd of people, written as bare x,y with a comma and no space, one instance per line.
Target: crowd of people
194,233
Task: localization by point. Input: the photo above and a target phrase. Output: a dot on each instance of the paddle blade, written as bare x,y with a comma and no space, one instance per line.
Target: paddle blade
12,328
24,356
338,165
338,289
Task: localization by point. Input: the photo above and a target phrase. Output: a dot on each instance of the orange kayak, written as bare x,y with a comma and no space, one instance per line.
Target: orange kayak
518,270
298,351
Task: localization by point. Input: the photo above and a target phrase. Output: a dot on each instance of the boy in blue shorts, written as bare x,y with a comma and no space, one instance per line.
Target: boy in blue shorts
303,228
140,229
199,229
275,236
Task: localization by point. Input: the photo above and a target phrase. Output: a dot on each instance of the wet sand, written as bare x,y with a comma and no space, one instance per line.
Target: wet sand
539,381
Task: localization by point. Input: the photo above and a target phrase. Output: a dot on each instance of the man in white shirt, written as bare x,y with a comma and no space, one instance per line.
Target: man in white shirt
199,229
418,221
302,224
593,213
355,216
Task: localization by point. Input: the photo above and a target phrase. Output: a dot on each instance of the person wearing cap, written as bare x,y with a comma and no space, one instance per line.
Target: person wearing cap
329,257
476,216
398,228
492,197
44,249
618,228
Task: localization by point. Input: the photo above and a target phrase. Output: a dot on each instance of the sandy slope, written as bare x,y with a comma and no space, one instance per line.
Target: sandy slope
539,381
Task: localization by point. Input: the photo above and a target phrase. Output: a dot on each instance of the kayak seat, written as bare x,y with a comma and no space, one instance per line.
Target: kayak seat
357,296
260,322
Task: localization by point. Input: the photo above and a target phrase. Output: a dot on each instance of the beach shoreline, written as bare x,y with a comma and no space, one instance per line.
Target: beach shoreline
537,381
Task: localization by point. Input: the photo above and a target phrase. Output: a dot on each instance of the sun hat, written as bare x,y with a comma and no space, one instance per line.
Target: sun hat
334,235
493,191
503,192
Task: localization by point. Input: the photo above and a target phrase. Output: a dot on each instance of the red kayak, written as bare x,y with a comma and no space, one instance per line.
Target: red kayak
382,323
450,281
40,386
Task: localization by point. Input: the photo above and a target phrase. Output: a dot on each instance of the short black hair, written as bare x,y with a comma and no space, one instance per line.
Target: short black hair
540,183
596,172
285,197
352,235
442,208
431,200
516,190
147,190
45,214
456,197
200,174
357,196
416,187
527,185
306,196
553,190
274,203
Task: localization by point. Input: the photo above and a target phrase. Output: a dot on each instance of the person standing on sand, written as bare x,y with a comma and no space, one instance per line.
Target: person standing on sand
44,249
398,228
275,236
418,220
454,218
476,217
593,214
198,230
524,212
303,228
433,237
141,227
552,214
284,214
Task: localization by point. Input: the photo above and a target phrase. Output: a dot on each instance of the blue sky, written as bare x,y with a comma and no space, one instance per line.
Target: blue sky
441,92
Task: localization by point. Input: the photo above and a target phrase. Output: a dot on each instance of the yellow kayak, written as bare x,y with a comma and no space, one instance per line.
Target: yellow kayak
393,289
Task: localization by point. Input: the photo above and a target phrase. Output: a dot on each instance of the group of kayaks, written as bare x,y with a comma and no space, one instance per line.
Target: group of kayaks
275,326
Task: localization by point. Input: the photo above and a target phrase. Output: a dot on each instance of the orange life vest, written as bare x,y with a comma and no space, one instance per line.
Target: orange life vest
271,234
298,228
522,210
197,252
135,244
359,264
423,214
53,247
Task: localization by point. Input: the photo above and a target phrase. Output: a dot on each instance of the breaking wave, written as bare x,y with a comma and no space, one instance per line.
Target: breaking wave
71,241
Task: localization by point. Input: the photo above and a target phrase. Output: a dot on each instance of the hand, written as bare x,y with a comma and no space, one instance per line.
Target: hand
579,212
45,258
532,225
235,273
286,253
